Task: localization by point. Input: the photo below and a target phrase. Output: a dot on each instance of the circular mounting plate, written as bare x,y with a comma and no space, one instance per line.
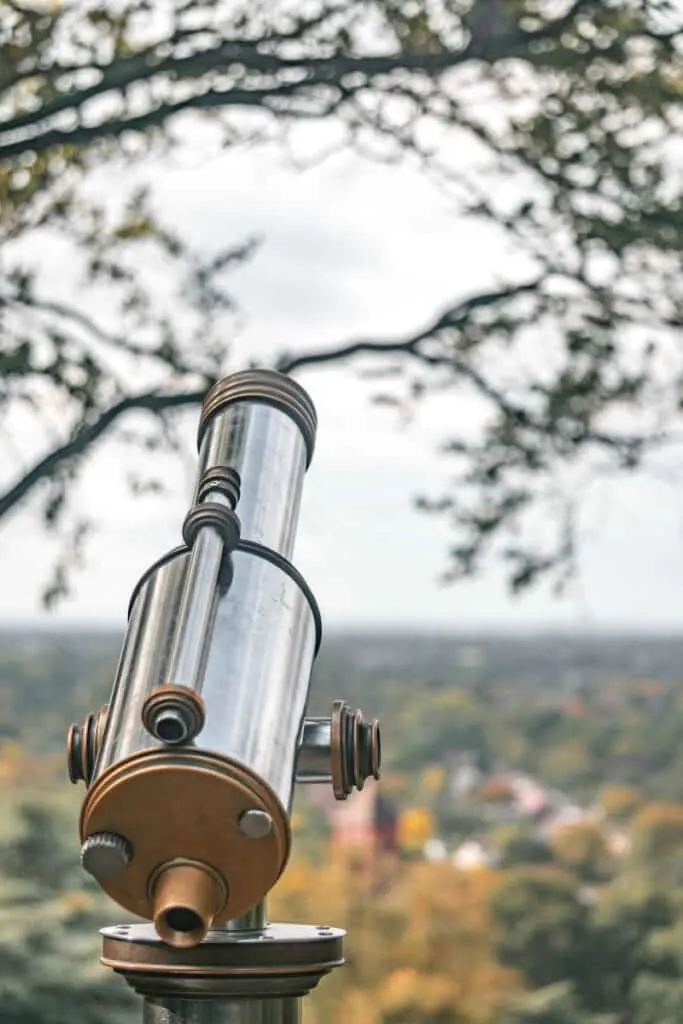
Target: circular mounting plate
187,804
280,960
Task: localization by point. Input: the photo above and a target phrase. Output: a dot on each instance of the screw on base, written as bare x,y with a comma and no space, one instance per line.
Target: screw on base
255,824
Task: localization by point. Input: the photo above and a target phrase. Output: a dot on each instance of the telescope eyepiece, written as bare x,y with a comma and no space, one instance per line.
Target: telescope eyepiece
187,897
182,919
171,727
173,714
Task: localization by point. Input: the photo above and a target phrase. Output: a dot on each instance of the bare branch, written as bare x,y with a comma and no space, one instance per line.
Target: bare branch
113,341
331,72
453,317
85,436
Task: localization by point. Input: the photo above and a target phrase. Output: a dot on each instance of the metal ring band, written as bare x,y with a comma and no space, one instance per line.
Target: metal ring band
88,749
275,558
341,786
249,547
160,562
74,760
220,478
210,513
267,386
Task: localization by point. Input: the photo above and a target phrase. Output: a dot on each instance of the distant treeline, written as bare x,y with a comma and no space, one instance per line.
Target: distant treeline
582,715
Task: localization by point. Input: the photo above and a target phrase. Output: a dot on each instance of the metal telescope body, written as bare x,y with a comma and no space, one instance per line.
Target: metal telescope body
190,770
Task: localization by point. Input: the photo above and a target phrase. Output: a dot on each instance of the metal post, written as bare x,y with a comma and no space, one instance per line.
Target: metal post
190,769
229,1011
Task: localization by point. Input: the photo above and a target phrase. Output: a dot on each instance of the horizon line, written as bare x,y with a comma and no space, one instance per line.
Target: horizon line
440,629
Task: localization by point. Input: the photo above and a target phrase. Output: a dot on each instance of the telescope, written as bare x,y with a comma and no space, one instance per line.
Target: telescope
190,770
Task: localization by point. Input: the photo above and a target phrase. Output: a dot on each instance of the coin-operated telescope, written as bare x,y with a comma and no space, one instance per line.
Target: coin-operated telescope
190,768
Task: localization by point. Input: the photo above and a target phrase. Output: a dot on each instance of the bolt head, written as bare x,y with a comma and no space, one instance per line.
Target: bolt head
255,824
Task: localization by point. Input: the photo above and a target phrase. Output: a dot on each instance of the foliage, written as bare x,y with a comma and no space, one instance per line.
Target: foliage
541,944
49,920
584,848
658,840
620,802
520,844
570,112
586,958
419,950
554,1004
415,826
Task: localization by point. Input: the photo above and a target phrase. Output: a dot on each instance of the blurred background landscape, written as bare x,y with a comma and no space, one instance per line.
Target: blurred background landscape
521,860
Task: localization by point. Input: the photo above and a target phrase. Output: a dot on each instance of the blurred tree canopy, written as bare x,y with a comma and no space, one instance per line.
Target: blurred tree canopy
572,113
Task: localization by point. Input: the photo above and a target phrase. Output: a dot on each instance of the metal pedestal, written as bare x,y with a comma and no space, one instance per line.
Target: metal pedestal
236,975
222,1011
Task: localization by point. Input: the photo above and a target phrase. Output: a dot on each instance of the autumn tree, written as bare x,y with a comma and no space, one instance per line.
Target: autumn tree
519,845
619,802
586,957
49,920
570,111
422,951
583,847
541,923
554,1004
415,826
657,831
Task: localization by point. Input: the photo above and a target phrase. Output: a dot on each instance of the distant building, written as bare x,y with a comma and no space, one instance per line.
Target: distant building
366,819
435,850
472,854
529,795
464,776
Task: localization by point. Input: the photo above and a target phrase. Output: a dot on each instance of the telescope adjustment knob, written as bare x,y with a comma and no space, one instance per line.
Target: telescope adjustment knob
105,854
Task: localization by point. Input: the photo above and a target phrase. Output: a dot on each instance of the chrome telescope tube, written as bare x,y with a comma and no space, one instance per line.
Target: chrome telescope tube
190,769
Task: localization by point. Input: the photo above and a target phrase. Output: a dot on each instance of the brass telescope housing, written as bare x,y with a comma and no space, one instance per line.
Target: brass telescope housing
190,769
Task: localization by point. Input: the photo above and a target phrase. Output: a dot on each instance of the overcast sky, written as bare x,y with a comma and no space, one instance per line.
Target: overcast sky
356,250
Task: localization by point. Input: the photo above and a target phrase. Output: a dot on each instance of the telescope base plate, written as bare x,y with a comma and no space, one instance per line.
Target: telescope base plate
279,961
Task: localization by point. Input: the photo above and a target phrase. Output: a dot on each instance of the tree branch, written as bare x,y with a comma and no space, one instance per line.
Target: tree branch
330,72
86,436
112,341
155,402
453,317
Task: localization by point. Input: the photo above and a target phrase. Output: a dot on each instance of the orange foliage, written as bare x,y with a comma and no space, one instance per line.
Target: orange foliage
415,827
620,802
658,829
582,846
421,948
432,779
